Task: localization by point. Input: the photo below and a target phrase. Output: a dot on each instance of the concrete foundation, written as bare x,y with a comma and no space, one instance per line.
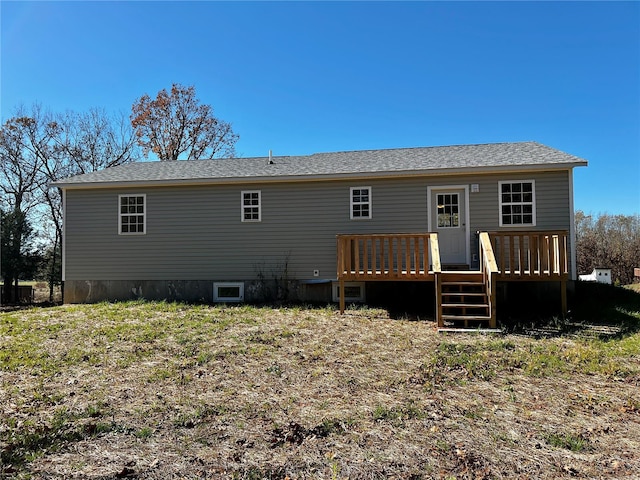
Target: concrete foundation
192,291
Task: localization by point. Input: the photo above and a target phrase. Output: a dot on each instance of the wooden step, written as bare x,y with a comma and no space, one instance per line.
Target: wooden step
465,305
468,330
479,318
453,311
455,267
464,300
457,288
448,277
477,300
457,291
464,294
461,312
465,321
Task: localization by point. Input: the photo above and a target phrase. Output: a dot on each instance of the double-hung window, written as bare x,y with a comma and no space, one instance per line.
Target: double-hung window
132,214
360,203
251,206
517,203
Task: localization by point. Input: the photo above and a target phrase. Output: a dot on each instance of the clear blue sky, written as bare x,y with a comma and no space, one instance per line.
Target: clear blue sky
300,78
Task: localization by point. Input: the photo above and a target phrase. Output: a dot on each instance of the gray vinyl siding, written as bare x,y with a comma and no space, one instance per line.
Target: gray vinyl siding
196,232
552,202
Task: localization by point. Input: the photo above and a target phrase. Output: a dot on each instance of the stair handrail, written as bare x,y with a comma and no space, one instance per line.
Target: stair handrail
489,269
436,266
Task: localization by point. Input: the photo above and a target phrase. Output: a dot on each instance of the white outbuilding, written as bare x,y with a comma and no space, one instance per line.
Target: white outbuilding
600,275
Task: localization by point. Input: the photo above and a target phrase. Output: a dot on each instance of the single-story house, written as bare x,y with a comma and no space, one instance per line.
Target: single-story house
322,226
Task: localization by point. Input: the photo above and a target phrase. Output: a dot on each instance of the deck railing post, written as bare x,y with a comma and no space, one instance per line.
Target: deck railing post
493,299
438,287
533,246
341,241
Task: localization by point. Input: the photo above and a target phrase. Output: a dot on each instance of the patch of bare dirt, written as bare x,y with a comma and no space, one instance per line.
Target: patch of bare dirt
294,394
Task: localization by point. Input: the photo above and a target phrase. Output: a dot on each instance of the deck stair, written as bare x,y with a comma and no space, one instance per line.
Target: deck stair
464,301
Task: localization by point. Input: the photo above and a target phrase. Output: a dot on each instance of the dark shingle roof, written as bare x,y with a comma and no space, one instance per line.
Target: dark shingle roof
390,162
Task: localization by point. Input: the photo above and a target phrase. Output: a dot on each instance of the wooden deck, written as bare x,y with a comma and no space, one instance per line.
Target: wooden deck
388,257
504,257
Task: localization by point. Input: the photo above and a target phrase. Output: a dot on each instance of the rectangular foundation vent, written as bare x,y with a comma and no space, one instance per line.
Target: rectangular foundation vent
228,292
354,292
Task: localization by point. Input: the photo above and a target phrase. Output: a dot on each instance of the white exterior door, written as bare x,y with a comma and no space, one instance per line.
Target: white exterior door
448,218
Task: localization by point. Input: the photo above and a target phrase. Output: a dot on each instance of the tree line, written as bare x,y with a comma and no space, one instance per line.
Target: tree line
38,147
608,241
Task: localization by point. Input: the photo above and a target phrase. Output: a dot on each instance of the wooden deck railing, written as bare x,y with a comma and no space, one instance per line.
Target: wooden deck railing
386,257
391,257
504,256
531,256
489,269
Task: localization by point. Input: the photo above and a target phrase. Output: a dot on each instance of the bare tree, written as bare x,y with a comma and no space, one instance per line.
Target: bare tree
25,142
37,148
611,241
83,143
176,123
93,141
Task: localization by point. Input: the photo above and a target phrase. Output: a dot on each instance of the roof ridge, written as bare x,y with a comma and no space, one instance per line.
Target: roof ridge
366,150
423,147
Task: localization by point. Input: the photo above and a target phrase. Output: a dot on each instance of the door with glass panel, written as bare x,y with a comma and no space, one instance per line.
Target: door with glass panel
448,220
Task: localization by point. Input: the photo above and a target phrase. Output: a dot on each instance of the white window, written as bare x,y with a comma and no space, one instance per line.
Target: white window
353,292
228,291
360,202
517,203
132,214
251,206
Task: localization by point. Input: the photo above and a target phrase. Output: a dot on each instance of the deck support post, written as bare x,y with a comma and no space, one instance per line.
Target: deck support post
563,295
493,323
438,287
341,293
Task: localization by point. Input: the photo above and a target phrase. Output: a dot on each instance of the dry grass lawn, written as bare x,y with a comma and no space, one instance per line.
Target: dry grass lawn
156,390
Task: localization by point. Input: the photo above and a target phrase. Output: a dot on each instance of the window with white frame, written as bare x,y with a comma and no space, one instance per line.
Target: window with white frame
228,291
354,292
132,214
251,206
360,202
517,203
